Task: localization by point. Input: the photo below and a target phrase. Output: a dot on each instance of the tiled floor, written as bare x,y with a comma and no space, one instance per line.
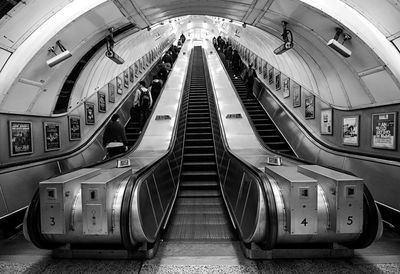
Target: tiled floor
19,256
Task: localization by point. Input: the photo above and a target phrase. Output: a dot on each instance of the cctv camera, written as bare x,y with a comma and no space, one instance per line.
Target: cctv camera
58,58
114,57
283,48
342,50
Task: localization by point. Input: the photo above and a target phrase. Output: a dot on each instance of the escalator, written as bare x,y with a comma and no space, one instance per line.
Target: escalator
263,124
199,212
132,131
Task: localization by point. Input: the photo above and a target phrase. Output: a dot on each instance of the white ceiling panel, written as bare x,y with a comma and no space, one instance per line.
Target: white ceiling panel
384,14
382,87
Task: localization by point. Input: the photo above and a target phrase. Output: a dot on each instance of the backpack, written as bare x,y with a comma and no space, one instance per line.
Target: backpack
144,99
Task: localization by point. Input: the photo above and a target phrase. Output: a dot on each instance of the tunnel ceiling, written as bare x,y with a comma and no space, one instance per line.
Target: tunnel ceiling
346,83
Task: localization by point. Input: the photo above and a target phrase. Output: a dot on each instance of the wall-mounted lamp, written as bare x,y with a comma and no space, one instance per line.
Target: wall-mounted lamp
287,37
244,25
339,47
58,58
148,28
110,49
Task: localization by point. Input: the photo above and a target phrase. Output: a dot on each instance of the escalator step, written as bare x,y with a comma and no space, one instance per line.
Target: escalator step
199,201
199,174
211,219
199,232
199,149
199,193
189,157
186,184
199,209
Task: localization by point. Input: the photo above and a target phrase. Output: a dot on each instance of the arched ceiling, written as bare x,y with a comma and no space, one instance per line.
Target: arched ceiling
370,77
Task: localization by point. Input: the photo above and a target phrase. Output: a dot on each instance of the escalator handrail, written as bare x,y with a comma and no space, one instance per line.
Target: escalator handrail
271,233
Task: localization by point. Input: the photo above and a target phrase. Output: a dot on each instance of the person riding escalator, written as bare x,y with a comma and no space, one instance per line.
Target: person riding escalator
114,137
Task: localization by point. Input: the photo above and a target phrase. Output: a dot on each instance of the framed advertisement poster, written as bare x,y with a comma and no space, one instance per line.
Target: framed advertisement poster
126,78
51,136
260,67
326,121
278,81
140,66
286,88
111,93
89,113
309,107
137,69
74,124
101,101
265,72
119,85
351,131
131,74
384,130
296,96
20,138
271,76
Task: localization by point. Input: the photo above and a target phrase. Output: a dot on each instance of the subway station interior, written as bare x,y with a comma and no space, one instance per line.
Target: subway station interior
182,136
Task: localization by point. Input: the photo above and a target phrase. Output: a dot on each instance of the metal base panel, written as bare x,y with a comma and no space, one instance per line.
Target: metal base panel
254,252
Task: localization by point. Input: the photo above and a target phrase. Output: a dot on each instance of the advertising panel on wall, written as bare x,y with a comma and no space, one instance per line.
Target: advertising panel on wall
296,95
309,107
52,139
119,85
265,71
286,88
384,130
351,130
326,121
89,113
278,81
126,78
271,75
21,142
131,74
111,93
74,123
101,101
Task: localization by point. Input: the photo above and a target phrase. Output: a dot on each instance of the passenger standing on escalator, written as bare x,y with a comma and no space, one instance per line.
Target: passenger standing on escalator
114,137
236,63
162,72
144,100
156,86
249,77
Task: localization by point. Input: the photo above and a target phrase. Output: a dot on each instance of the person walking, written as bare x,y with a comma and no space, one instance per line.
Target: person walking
114,137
